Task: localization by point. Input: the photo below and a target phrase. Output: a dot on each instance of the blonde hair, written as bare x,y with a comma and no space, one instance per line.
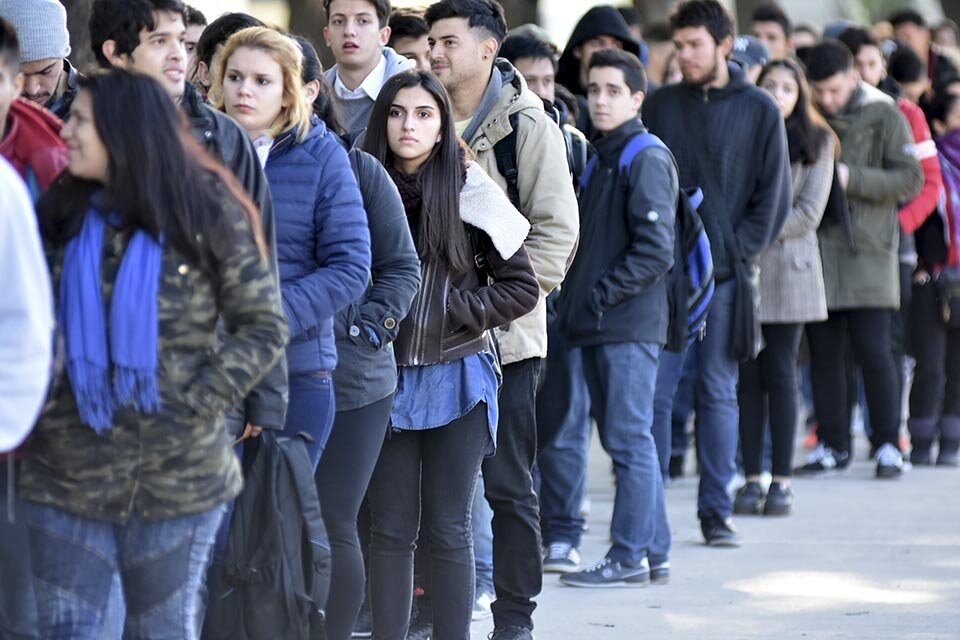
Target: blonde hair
296,111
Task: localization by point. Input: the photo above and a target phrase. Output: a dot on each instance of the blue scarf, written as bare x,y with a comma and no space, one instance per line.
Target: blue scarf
130,350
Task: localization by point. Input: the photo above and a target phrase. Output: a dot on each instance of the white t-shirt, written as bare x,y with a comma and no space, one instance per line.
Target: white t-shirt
26,312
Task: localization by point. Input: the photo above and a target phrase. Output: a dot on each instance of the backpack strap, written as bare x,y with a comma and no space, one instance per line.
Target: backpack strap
587,172
506,154
633,148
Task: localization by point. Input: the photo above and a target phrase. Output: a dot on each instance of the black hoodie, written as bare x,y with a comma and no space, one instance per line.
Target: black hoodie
598,21
731,142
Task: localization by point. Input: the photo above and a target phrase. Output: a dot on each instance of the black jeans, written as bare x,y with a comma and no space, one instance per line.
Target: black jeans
768,390
936,384
343,476
508,484
434,470
868,332
899,330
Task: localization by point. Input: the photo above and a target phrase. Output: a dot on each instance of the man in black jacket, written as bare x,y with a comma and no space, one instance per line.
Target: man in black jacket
147,36
728,138
614,307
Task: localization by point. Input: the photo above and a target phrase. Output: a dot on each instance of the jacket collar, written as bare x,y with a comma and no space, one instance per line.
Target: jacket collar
738,83
610,145
61,105
514,97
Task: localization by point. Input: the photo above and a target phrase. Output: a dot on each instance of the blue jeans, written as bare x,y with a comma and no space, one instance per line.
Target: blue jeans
161,566
311,409
621,378
562,463
715,390
483,540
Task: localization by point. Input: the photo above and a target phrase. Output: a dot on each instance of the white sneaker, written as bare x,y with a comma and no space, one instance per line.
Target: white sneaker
481,607
889,462
561,558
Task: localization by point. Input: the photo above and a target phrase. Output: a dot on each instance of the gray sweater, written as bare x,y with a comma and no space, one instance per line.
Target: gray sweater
356,111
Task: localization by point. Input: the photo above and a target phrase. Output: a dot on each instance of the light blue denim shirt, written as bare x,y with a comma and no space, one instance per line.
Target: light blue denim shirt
435,395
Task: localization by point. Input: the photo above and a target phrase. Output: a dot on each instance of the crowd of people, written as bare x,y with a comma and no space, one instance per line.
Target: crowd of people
375,310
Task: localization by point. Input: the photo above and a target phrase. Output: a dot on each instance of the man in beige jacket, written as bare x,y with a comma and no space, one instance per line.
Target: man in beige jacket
491,101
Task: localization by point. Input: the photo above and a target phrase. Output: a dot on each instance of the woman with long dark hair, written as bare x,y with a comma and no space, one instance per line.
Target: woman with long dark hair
476,276
791,294
151,244
366,377
935,334
323,246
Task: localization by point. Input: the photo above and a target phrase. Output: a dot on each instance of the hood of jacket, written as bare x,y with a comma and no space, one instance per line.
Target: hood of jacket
506,94
61,106
598,21
32,142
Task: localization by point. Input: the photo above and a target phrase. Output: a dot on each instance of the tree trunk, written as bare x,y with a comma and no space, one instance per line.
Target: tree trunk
308,19
652,11
520,12
78,14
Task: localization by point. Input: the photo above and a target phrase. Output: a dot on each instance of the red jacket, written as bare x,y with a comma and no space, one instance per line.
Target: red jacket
32,144
915,212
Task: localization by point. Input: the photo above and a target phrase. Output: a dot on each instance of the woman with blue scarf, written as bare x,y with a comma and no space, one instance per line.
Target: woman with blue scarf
935,307
151,245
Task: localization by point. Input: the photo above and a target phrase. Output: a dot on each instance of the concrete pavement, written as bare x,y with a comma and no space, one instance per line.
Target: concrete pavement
860,558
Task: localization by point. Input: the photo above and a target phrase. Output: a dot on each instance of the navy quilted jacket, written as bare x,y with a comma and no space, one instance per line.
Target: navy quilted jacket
323,243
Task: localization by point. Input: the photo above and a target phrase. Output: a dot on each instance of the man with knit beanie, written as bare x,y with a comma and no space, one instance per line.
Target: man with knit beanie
49,79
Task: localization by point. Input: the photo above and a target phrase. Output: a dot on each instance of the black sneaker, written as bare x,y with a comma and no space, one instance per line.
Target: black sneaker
609,573
420,630
889,462
823,460
363,627
920,455
561,557
779,500
948,456
719,532
511,633
660,573
675,469
749,500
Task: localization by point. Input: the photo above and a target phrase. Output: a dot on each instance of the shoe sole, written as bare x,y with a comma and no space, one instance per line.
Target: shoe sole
660,580
619,584
889,475
753,510
725,544
361,634
777,511
560,568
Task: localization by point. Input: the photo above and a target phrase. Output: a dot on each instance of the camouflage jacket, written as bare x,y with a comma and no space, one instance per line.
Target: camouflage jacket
179,461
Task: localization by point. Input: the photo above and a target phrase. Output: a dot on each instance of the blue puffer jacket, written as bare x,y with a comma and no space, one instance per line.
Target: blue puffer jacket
323,243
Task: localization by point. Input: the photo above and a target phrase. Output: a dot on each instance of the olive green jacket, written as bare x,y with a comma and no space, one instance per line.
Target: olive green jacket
179,461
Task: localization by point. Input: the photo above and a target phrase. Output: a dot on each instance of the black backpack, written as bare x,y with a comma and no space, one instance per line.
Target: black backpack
505,152
276,569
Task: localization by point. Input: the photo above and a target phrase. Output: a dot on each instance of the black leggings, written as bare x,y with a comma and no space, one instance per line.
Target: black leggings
868,331
342,478
434,470
936,384
768,389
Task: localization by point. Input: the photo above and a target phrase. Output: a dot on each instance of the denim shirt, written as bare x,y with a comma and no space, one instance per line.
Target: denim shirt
435,395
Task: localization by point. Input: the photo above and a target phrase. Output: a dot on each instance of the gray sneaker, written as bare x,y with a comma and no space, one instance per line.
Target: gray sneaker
609,573
561,558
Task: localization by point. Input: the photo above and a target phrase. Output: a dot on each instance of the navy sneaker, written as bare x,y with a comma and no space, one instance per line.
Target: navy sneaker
609,573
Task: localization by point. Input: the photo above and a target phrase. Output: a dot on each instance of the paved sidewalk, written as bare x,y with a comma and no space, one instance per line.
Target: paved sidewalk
859,559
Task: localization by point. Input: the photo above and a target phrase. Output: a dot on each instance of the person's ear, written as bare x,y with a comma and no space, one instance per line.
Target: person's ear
637,100
109,50
326,37
726,47
18,83
578,52
939,127
489,47
385,35
311,90
203,73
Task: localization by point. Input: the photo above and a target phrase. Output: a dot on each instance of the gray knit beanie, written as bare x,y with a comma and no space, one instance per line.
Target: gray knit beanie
41,28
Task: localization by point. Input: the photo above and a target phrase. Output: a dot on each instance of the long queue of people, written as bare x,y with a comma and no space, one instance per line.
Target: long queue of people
426,269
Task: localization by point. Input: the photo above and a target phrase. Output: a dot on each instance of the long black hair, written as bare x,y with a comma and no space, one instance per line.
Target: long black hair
807,131
324,107
158,178
441,235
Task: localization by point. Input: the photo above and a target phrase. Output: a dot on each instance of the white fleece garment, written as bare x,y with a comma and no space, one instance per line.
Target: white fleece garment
485,206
